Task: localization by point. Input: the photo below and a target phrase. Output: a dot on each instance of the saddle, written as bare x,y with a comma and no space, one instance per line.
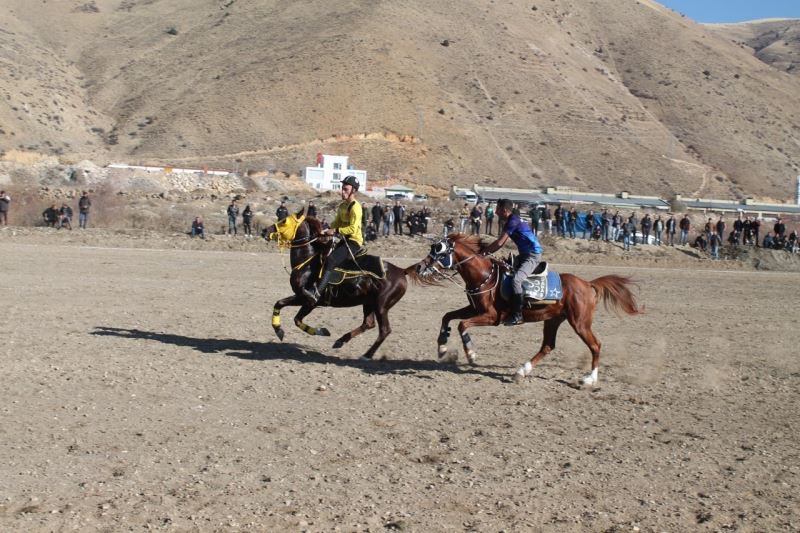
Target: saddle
363,265
543,286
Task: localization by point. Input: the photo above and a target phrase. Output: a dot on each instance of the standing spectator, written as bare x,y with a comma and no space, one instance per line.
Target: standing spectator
616,226
671,228
399,213
628,233
247,220
489,214
281,213
606,224
779,229
708,227
377,216
388,219
84,204
50,216
685,226
747,231
536,216
475,216
312,210
714,242
197,228
464,216
573,219
658,229
756,228
721,229
589,226
5,202
233,213
561,225
365,218
738,228
635,222
548,219
647,225
65,217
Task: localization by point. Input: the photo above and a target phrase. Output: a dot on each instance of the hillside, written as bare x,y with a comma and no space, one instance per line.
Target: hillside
773,41
603,96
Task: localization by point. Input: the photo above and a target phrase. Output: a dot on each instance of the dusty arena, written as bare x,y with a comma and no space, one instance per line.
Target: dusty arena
145,388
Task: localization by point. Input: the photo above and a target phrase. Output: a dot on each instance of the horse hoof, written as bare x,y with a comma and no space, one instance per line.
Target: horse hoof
518,378
279,332
323,332
365,359
338,344
471,357
448,358
442,350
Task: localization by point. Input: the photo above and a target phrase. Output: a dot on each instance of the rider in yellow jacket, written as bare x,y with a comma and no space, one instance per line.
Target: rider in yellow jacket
347,225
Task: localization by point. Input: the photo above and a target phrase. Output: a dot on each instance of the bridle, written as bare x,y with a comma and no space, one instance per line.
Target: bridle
441,254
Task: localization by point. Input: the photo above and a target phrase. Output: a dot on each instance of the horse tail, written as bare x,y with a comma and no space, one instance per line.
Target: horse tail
614,292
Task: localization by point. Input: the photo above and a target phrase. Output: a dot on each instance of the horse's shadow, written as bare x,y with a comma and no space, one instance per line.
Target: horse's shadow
272,351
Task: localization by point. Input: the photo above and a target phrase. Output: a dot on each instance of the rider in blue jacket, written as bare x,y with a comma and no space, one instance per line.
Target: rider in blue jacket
530,254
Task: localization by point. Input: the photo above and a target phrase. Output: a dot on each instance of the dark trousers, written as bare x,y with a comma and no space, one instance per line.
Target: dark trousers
398,226
341,253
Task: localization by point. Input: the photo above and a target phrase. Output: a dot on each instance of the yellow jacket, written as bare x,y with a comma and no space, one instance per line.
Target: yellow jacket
348,221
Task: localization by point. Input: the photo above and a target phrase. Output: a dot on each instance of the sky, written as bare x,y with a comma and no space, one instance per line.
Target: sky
734,10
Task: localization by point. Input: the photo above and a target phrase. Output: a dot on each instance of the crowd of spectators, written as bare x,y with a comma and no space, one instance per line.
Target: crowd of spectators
629,230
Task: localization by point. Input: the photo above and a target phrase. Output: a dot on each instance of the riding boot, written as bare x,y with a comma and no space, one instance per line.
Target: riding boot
517,302
315,292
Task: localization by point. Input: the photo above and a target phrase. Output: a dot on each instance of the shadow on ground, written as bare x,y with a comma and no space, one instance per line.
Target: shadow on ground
272,351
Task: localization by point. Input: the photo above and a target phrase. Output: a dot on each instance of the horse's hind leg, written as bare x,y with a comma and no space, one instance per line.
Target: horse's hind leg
382,317
385,301
584,331
298,321
368,323
548,345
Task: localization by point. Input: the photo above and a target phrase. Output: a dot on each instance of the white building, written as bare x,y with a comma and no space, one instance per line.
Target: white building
330,171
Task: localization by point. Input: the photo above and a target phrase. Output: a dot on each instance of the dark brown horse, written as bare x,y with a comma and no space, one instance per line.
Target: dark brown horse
307,251
483,277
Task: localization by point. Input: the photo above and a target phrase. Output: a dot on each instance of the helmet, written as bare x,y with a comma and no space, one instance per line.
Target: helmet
351,180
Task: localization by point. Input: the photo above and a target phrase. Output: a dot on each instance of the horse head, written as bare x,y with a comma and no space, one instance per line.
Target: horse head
294,230
450,253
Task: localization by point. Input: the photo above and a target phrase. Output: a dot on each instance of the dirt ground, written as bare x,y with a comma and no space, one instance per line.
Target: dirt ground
144,388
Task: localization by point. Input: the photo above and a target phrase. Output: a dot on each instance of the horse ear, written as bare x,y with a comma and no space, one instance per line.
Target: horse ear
302,212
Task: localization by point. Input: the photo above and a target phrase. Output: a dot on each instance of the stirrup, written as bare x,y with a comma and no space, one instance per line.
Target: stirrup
312,294
514,320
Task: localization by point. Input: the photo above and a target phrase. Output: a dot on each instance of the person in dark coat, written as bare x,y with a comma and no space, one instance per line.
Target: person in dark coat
50,216
247,221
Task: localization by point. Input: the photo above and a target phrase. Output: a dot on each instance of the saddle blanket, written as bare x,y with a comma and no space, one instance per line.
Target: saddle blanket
536,287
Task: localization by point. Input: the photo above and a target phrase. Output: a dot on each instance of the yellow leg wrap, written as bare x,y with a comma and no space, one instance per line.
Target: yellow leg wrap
308,329
276,317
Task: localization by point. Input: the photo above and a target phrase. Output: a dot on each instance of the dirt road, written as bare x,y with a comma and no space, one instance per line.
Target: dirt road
145,388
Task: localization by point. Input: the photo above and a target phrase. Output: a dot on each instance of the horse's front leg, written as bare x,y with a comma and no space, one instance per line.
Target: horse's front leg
276,312
298,321
488,318
444,330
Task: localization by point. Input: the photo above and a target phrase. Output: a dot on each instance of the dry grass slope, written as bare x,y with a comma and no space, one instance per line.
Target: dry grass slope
604,96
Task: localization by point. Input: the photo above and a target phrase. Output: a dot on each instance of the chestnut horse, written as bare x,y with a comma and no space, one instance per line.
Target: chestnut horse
308,249
483,278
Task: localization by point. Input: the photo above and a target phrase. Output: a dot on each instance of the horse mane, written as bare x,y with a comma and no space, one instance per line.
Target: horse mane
473,243
314,226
